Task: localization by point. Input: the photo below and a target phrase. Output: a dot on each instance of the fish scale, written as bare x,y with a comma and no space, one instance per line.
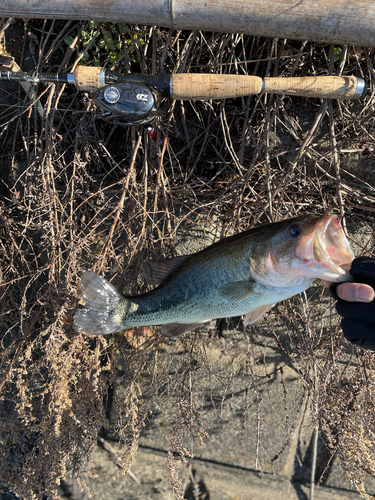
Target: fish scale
191,294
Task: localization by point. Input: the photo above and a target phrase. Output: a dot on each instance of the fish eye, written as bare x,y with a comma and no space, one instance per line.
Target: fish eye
295,230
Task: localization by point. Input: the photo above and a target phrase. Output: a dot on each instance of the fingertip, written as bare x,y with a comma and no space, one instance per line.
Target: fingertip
355,292
364,293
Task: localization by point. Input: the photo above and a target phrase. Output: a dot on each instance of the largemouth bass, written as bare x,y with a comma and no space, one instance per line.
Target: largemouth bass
244,274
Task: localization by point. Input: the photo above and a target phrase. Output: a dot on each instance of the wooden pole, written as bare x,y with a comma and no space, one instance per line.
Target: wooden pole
327,21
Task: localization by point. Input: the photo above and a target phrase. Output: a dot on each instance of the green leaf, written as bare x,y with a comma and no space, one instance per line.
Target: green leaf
86,57
112,57
109,45
68,40
85,34
336,53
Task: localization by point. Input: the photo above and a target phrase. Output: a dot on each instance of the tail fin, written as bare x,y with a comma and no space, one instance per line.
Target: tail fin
100,314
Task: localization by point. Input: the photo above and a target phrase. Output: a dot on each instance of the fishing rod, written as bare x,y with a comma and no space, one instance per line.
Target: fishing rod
130,99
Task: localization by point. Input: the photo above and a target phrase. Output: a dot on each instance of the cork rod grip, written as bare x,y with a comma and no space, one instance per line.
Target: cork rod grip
325,87
88,78
192,86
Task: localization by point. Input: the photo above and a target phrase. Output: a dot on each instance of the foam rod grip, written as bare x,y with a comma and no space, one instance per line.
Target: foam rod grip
325,87
199,86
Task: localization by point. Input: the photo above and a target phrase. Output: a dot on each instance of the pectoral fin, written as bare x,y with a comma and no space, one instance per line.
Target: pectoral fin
237,290
177,329
156,271
256,314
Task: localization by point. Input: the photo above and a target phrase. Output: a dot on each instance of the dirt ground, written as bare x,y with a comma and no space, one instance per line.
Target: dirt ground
225,412
230,465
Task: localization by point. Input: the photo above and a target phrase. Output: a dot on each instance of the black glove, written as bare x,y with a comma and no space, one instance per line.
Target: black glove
358,323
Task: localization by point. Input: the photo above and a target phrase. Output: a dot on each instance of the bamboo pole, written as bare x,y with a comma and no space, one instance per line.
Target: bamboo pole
349,22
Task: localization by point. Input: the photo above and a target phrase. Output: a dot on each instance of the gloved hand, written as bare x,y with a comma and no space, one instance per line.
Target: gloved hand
358,323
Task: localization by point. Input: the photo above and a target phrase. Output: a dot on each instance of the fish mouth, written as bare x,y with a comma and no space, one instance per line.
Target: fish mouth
326,251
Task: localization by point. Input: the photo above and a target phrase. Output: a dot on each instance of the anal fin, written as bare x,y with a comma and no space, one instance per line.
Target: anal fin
177,329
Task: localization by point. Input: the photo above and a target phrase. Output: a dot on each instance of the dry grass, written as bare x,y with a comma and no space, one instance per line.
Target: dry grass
80,193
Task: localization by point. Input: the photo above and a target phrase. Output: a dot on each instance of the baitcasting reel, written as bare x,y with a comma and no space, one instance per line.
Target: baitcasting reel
126,103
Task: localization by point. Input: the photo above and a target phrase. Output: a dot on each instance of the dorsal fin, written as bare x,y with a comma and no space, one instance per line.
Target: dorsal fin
156,271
